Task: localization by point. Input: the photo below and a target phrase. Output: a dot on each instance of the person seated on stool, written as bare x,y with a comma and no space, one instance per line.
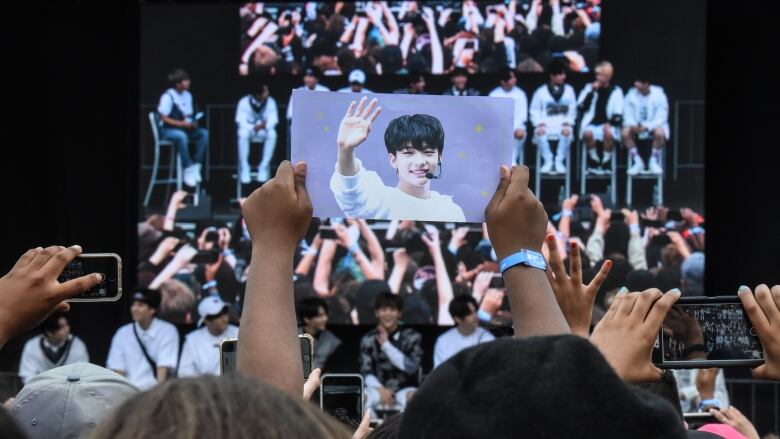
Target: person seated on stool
508,89
180,127
256,119
602,106
390,357
553,113
646,115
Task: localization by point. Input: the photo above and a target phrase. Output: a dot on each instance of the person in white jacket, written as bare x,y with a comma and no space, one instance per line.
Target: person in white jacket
553,114
508,89
646,114
414,145
256,120
601,105
200,353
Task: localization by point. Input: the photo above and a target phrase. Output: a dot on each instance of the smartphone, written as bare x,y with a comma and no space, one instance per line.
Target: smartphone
497,281
653,223
229,347
307,353
227,355
108,264
698,419
341,396
704,332
327,232
205,257
661,240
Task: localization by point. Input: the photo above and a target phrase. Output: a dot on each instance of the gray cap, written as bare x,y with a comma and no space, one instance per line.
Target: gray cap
692,270
68,401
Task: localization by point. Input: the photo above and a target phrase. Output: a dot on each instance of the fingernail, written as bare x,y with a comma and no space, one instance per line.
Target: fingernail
39,248
99,276
623,290
743,288
573,245
608,262
76,247
675,291
550,238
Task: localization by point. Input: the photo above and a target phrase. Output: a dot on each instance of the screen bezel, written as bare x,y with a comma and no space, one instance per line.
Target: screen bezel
347,377
117,276
658,353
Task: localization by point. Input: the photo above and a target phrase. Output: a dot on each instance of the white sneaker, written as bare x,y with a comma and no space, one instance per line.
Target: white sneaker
637,167
596,171
607,157
243,174
263,173
189,176
560,168
197,172
655,167
546,167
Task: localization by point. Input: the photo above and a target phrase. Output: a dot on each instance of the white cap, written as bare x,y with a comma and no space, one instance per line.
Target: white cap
357,76
69,401
210,306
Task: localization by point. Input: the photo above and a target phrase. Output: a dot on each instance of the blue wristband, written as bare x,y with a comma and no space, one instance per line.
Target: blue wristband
209,284
529,258
709,402
484,316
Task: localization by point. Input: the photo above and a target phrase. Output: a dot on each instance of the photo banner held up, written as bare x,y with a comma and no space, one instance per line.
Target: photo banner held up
425,158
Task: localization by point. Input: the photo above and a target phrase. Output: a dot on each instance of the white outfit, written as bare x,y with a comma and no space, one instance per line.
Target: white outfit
161,340
614,108
452,342
520,118
34,361
349,90
556,23
246,119
200,353
182,100
545,109
317,87
651,111
364,195
686,385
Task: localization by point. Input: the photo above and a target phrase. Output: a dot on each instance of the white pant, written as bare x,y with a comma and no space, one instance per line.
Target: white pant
373,399
247,135
598,132
543,142
518,152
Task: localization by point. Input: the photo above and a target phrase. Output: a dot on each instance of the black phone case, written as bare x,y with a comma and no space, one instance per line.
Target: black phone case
704,364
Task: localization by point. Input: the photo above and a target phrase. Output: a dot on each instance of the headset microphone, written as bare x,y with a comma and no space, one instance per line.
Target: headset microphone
429,175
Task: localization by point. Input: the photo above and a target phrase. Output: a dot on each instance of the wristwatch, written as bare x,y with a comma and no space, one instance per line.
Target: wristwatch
529,258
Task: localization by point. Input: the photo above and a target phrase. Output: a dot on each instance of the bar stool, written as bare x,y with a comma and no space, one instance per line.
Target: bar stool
611,176
566,176
174,163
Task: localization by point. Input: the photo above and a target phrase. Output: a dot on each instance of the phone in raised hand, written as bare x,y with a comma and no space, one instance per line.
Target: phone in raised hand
108,264
341,396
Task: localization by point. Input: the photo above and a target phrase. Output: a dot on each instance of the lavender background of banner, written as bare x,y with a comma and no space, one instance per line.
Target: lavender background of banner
478,139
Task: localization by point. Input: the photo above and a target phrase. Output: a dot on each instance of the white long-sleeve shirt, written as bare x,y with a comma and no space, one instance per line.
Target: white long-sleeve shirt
651,111
364,195
452,342
521,104
545,109
200,353
181,100
317,87
161,340
34,361
247,118
614,105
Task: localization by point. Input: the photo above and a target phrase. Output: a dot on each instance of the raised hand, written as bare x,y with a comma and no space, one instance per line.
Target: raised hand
357,122
763,310
575,298
626,333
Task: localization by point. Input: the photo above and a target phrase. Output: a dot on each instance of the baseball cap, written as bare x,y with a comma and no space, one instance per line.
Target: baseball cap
311,71
68,401
210,306
503,388
357,76
149,297
692,270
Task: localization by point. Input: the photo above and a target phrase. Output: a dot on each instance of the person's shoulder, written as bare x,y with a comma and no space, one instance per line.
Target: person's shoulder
446,335
485,333
657,89
540,89
195,334
165,326
31,343
369,335
124,329
494,92
568,88
410,332
78,341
